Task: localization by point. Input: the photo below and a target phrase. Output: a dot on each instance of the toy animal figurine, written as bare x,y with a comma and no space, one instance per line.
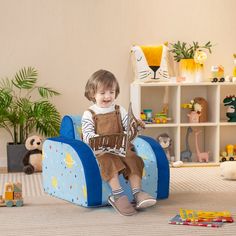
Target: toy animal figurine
186,155
204,108
193,117
230,101
201,156
32,160
166,143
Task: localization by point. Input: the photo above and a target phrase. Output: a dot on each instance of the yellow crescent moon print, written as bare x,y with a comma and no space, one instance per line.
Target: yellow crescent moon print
85,192
54,182
69,161
144,172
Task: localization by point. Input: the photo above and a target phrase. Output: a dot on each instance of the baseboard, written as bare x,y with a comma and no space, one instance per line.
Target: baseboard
197,164
3,170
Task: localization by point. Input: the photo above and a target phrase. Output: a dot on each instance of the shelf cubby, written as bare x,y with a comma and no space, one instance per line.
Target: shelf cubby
215,134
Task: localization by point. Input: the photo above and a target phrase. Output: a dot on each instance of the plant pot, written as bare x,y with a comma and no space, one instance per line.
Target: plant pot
192,71
15,155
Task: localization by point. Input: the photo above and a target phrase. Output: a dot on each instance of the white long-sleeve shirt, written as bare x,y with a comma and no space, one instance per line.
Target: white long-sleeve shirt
88,126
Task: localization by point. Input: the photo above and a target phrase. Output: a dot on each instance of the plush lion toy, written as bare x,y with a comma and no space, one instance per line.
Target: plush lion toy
32,160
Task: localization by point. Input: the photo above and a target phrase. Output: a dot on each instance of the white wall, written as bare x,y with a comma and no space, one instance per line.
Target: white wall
67,40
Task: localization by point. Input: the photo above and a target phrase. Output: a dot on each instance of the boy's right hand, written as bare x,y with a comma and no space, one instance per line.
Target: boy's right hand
141,124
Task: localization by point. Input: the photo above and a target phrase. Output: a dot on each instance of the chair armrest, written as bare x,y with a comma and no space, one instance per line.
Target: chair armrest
70,171
152,153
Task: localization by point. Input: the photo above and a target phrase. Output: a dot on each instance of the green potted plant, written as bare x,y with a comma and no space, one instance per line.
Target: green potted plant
191,58
25,107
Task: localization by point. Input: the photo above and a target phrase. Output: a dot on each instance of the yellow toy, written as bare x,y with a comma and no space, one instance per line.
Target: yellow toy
217,73
229,154
161,118
12,195
143,116
234,70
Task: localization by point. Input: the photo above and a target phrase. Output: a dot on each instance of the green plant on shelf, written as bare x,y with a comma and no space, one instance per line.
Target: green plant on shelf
183,50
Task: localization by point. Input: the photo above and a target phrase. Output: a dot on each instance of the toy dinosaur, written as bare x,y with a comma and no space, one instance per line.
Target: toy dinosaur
230,101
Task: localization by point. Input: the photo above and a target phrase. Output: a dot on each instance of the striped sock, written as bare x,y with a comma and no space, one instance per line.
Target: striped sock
118,193
136,190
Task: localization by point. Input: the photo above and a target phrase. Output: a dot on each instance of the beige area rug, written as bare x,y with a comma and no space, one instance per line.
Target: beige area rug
194,188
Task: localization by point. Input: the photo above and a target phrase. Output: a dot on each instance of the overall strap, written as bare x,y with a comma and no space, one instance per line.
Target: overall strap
93,117
117,108
92,112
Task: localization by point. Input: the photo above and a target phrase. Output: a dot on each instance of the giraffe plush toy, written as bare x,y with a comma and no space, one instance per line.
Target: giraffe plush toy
201,156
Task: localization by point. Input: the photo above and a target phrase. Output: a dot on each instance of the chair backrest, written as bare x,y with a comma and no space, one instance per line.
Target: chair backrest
71,127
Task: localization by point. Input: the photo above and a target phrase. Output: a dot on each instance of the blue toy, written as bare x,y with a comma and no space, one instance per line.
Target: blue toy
186,155
71,172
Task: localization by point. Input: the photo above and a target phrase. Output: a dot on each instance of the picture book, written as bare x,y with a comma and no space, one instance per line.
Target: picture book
202,216
177,220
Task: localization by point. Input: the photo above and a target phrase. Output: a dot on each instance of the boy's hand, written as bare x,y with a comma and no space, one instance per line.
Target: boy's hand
141,124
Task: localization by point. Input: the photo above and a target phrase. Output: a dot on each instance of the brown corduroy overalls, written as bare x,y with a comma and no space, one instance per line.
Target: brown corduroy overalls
109,163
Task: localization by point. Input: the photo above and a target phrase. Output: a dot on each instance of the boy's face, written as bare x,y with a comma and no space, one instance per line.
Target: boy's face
105,96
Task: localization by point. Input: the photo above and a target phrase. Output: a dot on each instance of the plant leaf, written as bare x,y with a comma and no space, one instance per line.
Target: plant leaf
47,92
25,78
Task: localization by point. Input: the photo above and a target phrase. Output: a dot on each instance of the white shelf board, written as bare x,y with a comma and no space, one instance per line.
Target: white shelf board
161,125
225,123
200,164
198,124
157,83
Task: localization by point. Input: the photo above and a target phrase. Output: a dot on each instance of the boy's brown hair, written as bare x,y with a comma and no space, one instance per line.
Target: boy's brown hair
100,77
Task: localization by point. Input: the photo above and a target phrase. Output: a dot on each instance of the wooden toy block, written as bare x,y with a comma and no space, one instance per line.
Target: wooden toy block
1,199
17,195
8,195
8,187
17,187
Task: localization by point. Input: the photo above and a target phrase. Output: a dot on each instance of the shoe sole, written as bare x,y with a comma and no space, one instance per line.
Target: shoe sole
114,206
146,203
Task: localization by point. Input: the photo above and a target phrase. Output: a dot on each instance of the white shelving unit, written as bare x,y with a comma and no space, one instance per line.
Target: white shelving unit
216,133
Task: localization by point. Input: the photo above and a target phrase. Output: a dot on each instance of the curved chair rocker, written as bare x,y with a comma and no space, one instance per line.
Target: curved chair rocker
71,172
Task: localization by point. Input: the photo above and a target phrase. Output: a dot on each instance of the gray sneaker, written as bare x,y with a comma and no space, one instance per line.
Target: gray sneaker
122,205
144,200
